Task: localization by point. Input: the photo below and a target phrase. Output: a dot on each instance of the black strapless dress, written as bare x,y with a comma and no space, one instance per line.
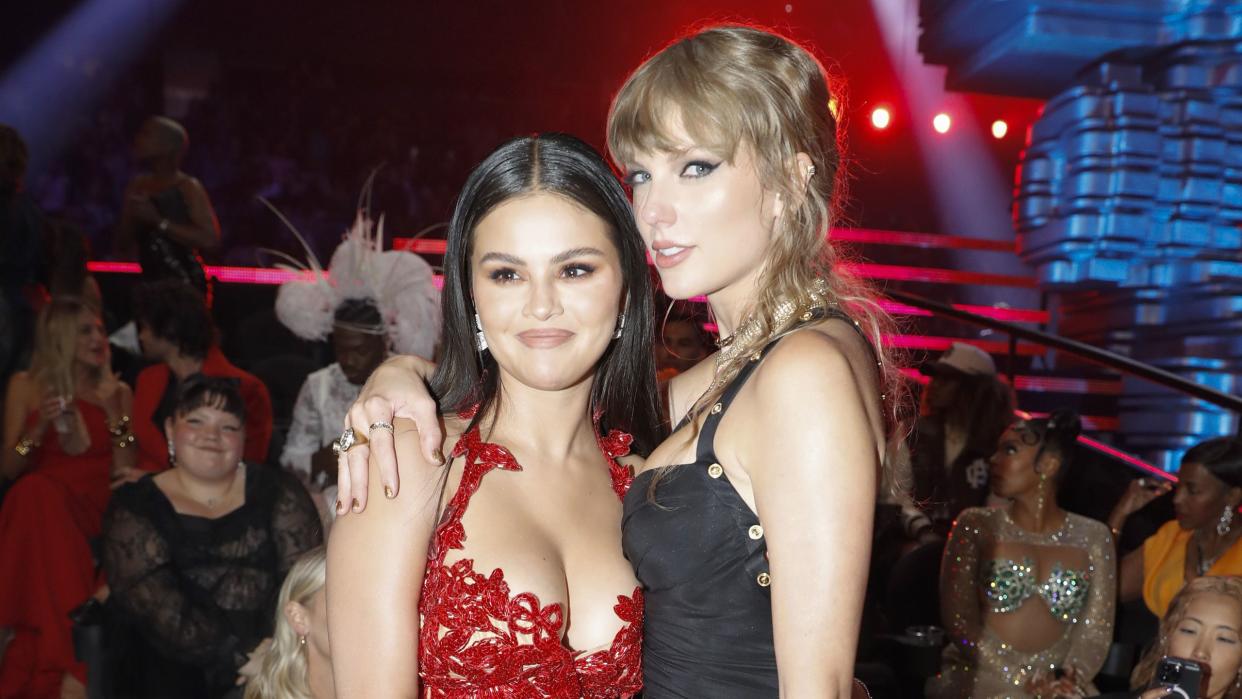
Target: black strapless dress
700,553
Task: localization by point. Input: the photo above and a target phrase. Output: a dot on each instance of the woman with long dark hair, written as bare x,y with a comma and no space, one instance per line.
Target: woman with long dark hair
503,573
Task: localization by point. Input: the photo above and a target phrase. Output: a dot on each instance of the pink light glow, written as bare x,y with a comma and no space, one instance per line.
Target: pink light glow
873,236
232,275
931,342
936,276
1128,458
1010,315
1111,451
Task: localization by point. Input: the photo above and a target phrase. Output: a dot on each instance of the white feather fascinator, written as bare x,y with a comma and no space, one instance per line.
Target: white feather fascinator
400,283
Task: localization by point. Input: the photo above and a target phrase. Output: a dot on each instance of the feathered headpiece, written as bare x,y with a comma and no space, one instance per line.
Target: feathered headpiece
400,283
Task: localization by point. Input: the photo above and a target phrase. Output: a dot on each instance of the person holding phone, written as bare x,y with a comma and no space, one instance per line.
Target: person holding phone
1202,629
1204,537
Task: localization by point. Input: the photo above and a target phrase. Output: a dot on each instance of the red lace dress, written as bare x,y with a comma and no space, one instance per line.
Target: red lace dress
479,639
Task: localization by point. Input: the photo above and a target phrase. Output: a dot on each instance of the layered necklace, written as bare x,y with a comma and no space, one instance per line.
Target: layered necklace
752,329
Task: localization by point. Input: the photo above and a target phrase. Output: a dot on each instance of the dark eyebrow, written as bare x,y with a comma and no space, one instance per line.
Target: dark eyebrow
576,252
560,257
502,257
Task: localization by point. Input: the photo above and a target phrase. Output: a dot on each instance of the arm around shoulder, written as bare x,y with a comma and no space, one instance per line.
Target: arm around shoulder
813,463
376,563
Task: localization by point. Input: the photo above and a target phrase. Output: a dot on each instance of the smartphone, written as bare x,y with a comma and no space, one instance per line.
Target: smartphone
1184,677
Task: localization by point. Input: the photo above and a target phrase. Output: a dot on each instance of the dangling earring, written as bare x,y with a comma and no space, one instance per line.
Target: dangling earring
479,340
616,335
172,453
1226,521
302,641
1043,481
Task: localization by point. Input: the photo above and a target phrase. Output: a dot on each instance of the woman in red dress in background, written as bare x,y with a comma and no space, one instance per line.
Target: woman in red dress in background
502,574
66,436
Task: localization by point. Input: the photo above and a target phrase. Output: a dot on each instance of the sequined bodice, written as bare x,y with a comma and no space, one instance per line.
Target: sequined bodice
479,638
1007,584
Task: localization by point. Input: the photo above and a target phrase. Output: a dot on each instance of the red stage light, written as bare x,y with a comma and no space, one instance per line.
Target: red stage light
881,117
941,123
999,129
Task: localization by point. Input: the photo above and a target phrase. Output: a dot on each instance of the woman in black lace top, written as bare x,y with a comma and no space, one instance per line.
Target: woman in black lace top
195,555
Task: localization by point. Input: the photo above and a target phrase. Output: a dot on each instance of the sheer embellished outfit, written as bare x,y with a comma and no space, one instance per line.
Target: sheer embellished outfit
977,663
478,638
191,596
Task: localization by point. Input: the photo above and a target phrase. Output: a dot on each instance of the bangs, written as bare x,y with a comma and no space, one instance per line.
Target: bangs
219,393
667,98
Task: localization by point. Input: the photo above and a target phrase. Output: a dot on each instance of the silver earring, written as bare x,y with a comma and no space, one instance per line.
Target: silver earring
810,171
479,340
172,453
616,335
1226,521
301,640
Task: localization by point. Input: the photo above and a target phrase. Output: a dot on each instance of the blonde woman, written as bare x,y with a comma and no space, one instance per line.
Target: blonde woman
66,437
1204,624
298,664
763,497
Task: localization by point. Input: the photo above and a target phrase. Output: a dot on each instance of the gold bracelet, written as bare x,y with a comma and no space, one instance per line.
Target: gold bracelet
120,427
24,446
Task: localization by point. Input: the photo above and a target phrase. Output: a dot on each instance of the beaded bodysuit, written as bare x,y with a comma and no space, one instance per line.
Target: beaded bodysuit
478,638
977,663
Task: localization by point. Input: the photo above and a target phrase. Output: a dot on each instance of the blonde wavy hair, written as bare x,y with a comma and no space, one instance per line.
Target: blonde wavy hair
1229,586
284,671
732,87
55,343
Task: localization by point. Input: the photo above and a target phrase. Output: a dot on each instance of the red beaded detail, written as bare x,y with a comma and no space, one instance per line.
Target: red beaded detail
478,639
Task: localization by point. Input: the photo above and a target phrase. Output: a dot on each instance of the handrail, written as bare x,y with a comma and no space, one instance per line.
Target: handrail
1090,353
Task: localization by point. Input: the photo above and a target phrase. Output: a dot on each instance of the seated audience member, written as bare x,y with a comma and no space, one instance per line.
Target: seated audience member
176,330
942,471
298,664
378,301
66,434
359,345
195,555
1202,540
1203,624
965,408
1027,591
681,346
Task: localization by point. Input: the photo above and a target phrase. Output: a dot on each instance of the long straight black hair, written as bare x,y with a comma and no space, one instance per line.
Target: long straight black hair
624,388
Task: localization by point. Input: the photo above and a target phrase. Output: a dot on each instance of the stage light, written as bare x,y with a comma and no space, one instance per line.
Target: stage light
941,123
881,117
999,129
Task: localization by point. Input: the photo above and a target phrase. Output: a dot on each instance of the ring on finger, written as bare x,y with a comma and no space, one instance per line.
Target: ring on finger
344,442
381,425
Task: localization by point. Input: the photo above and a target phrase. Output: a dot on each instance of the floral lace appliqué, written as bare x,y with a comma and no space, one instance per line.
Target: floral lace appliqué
477,638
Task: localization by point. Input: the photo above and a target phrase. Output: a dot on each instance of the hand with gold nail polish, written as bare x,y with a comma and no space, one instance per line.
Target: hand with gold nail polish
397,389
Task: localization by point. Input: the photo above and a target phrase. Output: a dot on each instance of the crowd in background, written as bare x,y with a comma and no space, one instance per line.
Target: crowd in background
138,507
